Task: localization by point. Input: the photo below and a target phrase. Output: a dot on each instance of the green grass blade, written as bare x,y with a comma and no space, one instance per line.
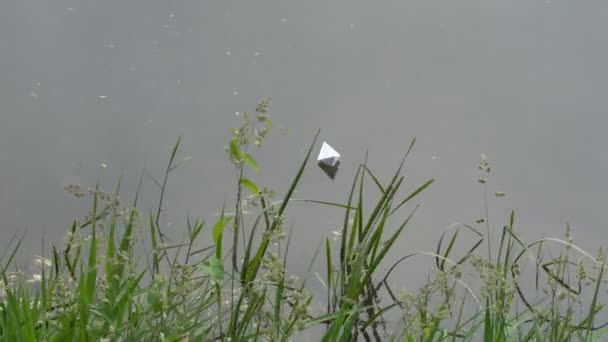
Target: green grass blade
255,262
413,194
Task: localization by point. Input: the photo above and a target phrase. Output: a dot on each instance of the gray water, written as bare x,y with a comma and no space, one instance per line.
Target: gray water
91,90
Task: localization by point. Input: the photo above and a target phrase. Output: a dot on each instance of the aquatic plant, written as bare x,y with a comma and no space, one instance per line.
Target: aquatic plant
200,289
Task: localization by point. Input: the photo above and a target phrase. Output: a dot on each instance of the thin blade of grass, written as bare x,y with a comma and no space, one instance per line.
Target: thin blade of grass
255,262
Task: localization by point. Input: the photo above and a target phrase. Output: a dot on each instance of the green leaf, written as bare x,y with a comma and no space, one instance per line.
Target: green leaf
413,194
235,150
215,269
251,162
250,185
268,122
218,231
252,269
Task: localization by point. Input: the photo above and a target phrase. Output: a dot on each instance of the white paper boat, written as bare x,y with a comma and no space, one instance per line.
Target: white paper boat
328,155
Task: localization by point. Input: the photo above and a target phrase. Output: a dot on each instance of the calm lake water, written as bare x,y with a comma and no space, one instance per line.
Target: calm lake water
91,90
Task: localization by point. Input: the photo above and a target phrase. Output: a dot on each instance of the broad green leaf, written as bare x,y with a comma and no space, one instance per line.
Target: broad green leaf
218,231
250,185
235,150
251,162
215,269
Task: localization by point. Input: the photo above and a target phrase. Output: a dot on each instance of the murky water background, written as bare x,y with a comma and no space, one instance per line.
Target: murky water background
91,90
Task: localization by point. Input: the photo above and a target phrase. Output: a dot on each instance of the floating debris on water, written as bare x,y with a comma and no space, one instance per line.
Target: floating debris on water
328,155
329,160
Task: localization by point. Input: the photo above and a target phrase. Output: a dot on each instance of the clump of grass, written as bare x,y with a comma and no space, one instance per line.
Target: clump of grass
503,307
229,280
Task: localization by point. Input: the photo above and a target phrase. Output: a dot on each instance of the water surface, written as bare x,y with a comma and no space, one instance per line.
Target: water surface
91,90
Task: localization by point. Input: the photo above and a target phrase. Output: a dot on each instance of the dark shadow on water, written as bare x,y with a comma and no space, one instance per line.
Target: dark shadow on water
329,170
